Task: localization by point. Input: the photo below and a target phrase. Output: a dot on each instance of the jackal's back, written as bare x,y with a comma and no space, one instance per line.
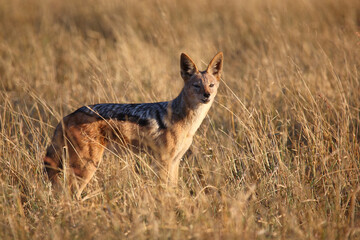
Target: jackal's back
142,114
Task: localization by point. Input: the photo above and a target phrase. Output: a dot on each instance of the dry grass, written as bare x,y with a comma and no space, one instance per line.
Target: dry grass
278,156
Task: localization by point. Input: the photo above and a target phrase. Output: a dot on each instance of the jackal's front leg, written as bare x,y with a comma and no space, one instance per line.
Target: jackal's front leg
166,170
172,168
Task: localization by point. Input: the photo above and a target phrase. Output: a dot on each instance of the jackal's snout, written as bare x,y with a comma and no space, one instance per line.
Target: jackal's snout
206,95
206,98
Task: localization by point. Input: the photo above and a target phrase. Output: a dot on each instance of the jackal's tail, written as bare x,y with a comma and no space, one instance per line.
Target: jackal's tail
53,158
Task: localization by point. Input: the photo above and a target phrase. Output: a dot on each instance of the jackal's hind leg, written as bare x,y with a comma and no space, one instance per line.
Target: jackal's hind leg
84,158
87,175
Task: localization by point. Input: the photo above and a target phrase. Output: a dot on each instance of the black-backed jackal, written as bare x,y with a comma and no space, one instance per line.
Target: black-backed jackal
165,129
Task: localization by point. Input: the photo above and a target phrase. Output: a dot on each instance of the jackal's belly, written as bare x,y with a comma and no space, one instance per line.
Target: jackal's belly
127,135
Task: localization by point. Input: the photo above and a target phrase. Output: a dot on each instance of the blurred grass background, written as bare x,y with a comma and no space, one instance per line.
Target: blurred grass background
278,156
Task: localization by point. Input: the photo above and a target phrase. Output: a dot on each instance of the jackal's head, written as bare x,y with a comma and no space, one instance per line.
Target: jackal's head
201,86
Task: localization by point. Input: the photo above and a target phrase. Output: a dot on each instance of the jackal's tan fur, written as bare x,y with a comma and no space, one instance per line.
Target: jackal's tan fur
165,129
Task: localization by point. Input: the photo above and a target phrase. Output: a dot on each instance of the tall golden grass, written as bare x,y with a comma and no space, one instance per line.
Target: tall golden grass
278,157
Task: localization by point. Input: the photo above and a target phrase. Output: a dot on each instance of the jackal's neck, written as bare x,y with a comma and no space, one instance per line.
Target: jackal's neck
184,110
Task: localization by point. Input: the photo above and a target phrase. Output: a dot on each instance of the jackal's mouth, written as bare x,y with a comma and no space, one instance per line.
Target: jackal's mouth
205,100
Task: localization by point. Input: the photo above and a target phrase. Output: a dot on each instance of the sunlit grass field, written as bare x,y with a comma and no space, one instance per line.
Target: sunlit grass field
278,156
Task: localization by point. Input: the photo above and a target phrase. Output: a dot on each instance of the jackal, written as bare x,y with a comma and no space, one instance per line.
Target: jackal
165,129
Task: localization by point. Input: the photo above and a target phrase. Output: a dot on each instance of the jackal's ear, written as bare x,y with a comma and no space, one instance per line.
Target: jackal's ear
187,67
216,65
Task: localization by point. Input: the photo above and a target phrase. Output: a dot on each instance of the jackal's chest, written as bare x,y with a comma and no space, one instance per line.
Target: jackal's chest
196,120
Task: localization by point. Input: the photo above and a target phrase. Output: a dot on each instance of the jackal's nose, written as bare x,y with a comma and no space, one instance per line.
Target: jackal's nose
206,95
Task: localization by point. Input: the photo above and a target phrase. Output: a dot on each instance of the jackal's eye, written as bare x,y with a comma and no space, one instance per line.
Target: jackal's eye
196,85
211,85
